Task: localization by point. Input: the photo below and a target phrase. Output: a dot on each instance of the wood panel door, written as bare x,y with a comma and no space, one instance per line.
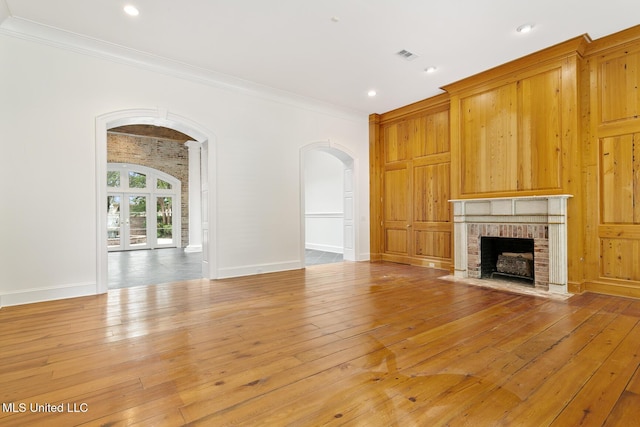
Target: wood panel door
397,219
612,238
619,229
416,190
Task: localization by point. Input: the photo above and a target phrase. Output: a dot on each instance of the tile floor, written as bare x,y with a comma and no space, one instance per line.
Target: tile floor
152,267
313,257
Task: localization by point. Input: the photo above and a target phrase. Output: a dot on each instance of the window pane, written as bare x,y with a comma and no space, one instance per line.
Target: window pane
137,220
165,223
113,179
137,180
163,185
113,221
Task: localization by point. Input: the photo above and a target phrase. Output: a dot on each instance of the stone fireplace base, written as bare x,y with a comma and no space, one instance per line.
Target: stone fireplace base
541,218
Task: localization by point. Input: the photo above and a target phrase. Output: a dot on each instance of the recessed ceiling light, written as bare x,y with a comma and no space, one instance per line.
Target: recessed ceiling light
131,10
430,70
524,28
372,93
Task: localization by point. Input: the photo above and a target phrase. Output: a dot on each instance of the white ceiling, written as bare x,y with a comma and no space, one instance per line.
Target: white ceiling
330,50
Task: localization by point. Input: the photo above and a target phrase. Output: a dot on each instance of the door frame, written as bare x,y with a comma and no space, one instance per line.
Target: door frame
350,195
158,117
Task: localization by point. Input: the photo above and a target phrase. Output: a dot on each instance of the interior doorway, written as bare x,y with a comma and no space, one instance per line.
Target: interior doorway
153,209
147,166
327,204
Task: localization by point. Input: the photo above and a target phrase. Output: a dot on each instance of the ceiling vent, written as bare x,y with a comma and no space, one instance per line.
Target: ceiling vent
406,55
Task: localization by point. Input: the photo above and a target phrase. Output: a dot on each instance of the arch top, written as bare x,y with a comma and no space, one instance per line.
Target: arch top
155,117
337,150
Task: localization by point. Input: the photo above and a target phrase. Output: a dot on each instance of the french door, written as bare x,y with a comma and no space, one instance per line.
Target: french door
141,203
128,225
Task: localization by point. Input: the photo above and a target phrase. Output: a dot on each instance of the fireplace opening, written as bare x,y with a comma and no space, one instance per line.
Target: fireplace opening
506,257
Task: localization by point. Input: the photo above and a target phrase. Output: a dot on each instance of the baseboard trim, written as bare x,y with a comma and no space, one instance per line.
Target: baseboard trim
324,248
249,270
616,289
29,296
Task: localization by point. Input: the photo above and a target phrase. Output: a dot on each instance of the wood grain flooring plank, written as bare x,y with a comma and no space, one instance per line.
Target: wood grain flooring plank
341,344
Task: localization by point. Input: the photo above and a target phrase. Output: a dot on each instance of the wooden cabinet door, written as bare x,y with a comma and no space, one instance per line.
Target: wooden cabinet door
415,194
396,202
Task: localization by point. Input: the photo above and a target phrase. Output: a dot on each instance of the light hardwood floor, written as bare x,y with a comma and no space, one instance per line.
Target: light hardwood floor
367,344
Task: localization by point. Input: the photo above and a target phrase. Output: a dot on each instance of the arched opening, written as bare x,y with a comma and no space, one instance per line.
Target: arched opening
204,195
327,202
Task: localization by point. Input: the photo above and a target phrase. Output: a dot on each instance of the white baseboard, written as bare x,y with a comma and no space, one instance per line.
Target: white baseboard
28,296
324,248
249,270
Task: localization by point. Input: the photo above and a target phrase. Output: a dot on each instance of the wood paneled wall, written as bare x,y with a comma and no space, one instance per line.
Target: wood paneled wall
565,120
411,185
515,131
612,160
511,136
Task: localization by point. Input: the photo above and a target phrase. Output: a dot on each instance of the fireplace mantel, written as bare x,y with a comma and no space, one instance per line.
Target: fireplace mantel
498,214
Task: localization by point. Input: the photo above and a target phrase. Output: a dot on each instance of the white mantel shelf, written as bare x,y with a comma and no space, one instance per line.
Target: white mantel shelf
547,210
526,210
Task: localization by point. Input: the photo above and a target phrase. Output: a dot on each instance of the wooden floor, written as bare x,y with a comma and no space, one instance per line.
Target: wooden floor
341,344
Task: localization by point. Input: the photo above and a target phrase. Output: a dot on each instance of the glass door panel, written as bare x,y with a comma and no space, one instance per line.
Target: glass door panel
114,221
137,221
164,208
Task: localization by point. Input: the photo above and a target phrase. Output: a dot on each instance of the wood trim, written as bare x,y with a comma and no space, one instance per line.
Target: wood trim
522,193
376,170
535,62
431,262
613,287
619,231
617,128
430,105
621,39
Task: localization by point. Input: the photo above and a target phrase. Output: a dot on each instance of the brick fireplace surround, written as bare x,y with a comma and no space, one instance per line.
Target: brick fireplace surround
541,218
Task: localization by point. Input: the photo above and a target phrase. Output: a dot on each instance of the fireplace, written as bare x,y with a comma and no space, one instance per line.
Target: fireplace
481,224
506,257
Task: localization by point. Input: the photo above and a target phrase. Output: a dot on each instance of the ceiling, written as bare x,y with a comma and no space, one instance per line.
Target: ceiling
333,51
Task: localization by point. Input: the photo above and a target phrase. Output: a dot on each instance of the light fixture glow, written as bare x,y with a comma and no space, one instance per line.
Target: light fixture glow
430,69
131,10
372,93
524,28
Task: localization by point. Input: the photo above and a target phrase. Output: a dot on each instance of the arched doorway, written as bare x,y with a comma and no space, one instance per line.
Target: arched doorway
165,119
348,197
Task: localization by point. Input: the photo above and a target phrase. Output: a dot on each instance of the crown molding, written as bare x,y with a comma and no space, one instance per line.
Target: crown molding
51,36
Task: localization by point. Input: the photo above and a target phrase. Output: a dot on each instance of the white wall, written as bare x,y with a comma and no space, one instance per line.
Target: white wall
49,100
324,202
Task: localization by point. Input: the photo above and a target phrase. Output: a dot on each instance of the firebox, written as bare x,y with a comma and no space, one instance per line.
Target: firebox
508,258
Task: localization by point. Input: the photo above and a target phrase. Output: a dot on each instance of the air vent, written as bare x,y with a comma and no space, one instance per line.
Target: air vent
406,55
